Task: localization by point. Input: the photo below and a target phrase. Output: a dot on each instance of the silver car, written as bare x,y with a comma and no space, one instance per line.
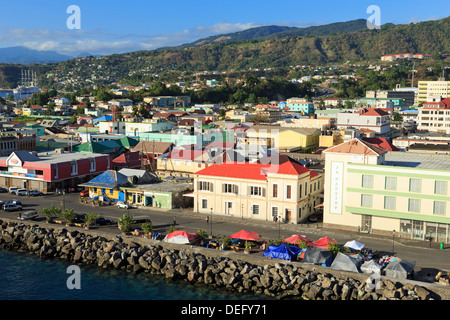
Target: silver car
29,215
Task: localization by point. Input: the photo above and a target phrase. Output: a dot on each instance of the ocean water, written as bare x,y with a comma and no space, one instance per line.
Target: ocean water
27,277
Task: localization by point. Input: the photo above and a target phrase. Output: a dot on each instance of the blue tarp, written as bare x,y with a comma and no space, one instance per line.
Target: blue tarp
282,251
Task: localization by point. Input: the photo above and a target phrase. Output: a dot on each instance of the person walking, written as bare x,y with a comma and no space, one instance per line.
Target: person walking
207,219
174,220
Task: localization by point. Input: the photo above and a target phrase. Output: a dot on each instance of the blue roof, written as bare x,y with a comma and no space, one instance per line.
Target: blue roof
104,118
108,179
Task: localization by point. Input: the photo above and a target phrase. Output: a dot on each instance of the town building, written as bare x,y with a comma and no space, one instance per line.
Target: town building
50,170
283,190
434,116
429,89
300,105
282,138
393,193
367,118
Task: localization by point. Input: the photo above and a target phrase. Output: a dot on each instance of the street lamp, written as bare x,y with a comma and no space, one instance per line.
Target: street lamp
211,222
393,234
279,227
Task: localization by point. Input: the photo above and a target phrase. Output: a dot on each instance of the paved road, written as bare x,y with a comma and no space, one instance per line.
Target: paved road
427,259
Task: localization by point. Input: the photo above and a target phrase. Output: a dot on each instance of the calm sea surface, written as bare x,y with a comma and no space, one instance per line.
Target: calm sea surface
27,277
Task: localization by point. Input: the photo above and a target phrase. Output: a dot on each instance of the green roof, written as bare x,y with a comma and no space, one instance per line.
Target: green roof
128,142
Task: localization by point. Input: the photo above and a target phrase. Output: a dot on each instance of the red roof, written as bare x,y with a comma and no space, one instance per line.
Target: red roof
255,171
382,143
372,112
445,103
356,146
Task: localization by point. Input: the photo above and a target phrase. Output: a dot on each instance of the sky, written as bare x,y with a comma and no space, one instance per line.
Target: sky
118,26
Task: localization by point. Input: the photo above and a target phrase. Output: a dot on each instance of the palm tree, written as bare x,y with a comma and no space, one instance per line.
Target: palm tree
147,228
50,213
125,223
69,215
89,218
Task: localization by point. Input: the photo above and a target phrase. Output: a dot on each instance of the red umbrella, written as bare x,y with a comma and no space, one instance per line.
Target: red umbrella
246,235
296,239
323,242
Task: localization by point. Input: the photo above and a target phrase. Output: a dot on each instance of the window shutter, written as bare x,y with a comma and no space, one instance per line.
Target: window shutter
211,187
263,192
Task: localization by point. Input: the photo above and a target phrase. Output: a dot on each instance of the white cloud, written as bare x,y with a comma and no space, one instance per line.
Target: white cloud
73,42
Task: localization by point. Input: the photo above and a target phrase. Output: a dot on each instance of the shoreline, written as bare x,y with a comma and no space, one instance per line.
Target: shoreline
238,272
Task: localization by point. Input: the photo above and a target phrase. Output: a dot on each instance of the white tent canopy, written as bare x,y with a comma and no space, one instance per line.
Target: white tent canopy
354,245
370,267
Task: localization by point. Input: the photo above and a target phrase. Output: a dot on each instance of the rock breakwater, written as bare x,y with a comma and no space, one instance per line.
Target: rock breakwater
237,272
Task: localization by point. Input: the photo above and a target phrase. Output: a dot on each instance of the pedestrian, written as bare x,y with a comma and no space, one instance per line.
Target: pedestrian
207,219
174,221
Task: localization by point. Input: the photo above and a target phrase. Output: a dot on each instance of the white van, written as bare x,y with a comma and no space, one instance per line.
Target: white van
13,190
21,192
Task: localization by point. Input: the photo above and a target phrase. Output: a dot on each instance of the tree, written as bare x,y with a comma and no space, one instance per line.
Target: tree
397,117
125,223
147,228
90,218
51,213
69,215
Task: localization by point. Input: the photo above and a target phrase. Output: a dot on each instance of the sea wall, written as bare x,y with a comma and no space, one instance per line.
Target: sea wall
220,269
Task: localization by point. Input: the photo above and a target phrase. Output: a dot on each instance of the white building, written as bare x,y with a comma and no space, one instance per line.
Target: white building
427,89
368,118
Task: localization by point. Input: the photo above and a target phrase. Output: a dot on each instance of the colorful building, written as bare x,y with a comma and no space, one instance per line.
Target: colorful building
283,190
50,170
393,193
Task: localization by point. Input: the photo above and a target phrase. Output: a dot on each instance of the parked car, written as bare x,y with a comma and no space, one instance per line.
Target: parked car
29,215
16,202
12,190
21,192
102,221
34,193
123,205
84,193
12,207
3,190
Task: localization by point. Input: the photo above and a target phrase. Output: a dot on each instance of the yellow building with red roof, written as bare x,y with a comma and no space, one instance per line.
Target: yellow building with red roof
275,188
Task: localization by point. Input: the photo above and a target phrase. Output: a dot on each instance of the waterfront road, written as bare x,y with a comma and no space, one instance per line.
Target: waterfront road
428,256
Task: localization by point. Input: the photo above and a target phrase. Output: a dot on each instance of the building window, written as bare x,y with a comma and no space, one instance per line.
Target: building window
255,209
205,186
367,181
274,212
406,226
389,203
74,166
414,185
414,205
204,204
92,164
300,190
390,183
275,190
366,200
256,191
288,192
440,187
56,171
439,207
229,188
